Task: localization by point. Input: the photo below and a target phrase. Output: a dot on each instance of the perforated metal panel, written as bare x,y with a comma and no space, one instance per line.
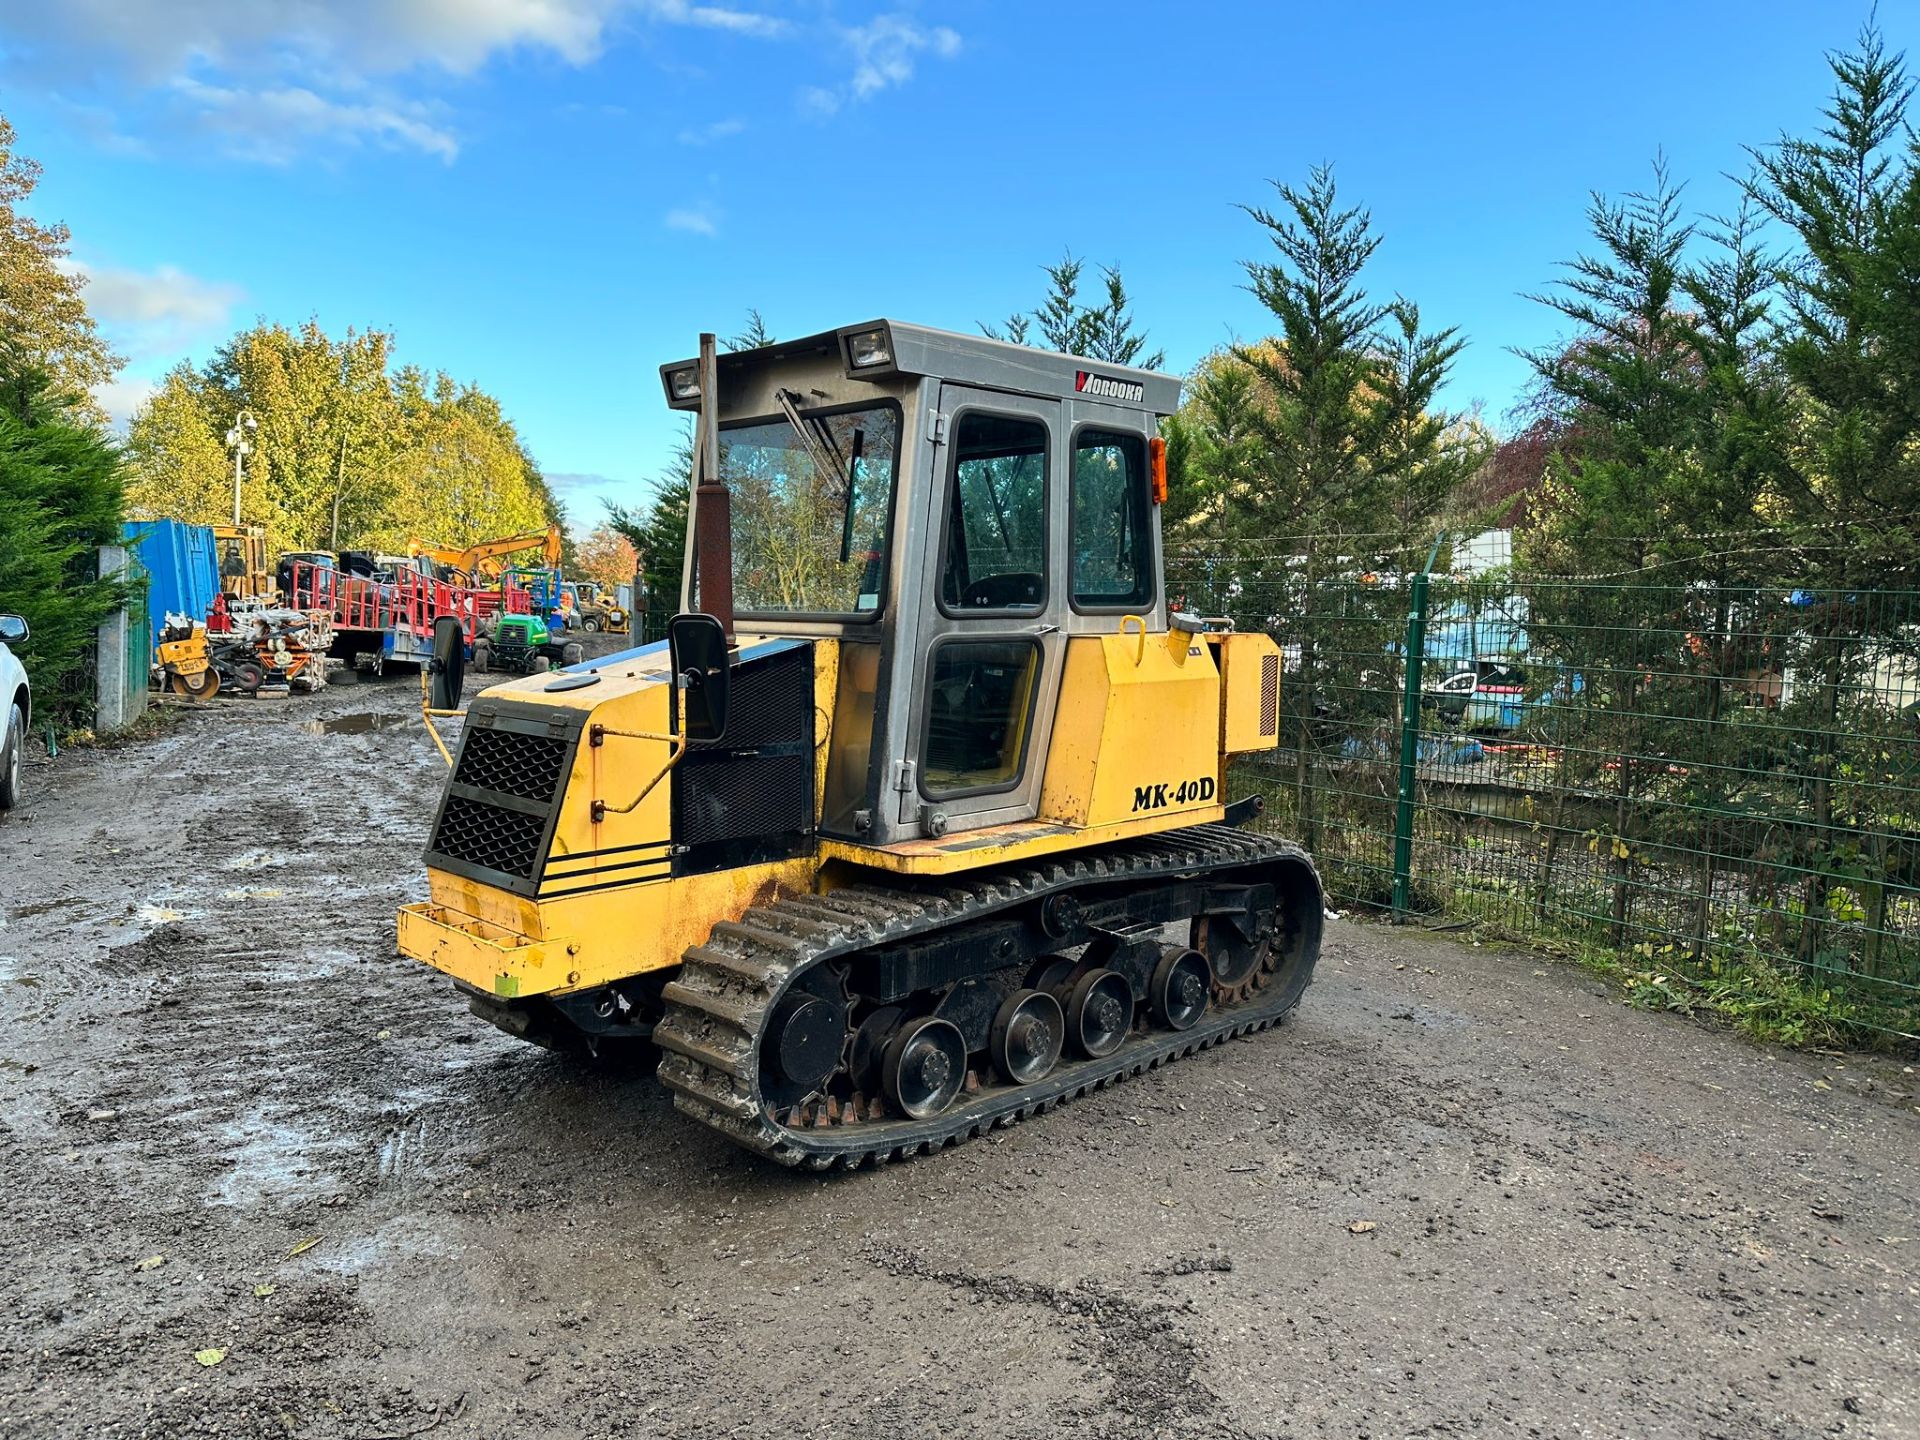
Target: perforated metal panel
750,798
1269,695
489,836
515,764
496,818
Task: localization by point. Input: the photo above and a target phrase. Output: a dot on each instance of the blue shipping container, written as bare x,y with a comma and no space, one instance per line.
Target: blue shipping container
183,568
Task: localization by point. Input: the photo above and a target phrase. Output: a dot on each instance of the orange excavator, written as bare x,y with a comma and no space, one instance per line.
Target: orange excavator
481,564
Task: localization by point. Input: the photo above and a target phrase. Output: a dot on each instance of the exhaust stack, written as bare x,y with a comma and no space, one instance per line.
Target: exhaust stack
712,505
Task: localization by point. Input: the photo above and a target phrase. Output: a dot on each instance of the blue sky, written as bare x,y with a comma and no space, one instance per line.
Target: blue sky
550,197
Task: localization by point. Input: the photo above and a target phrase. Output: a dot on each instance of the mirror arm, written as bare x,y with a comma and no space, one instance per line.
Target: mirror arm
600,809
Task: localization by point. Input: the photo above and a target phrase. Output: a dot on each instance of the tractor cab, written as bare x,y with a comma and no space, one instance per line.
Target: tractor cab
954,512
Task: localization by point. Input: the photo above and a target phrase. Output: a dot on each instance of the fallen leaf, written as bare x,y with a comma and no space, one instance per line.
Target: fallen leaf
383,1034
210,1358
304,1246
1821,1085
152,1262
262,1291
102,1114
1362,1227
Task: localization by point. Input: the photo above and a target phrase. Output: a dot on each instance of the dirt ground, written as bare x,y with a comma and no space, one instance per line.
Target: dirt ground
1463,1192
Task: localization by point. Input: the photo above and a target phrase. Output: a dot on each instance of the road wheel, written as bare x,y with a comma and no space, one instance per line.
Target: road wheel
539,665
203,686
16,740
482,656
589,624
573,654
249,676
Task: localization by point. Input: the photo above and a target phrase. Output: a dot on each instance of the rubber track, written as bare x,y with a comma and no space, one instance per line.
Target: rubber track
710,1034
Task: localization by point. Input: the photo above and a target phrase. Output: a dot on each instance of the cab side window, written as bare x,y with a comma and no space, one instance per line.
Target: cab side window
1109,533
997,516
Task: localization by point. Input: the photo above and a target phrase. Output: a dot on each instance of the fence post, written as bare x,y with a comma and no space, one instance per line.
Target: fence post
1410,740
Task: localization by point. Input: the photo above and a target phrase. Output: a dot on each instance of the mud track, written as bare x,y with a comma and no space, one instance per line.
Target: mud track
1584,1220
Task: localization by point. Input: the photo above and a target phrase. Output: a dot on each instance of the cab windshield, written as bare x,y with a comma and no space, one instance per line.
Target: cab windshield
811,501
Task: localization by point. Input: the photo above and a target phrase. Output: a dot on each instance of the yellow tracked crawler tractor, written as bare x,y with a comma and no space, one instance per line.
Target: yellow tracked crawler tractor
882,846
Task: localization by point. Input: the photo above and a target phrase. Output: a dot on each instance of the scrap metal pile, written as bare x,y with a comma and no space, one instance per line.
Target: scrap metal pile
250,647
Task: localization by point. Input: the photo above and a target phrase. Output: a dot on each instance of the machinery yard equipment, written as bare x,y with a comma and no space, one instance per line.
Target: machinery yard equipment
596,610
375,622
522,645
272,646
893,861
180,660
477,564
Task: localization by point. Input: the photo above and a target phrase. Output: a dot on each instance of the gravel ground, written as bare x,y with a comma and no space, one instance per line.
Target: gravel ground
1463,1192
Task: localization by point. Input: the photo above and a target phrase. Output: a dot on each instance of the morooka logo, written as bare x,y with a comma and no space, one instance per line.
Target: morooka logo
1108,388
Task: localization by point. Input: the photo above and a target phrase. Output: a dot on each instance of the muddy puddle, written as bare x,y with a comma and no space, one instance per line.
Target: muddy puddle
361,723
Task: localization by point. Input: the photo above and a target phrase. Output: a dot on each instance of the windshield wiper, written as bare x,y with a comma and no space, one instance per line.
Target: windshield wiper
826,458
846,518
824,451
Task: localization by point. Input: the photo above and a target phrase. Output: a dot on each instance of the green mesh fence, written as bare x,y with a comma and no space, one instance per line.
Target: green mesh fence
1711,780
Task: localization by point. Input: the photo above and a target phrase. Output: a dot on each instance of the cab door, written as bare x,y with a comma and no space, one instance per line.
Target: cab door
987,668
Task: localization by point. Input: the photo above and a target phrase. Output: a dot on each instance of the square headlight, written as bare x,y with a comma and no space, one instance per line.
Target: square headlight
685,384
868,348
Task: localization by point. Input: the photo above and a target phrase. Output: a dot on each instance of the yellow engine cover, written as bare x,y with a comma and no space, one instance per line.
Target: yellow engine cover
1250,692
1136,732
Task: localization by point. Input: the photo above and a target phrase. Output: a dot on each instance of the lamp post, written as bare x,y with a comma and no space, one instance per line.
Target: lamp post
240,441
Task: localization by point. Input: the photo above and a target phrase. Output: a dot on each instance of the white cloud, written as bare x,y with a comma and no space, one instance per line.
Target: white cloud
714,17
885,49
272,125
708,134
164,40
157,314
817,100
277,76
123,397
885,52
694,219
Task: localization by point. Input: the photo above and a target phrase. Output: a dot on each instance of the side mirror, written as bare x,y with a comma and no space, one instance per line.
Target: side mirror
447,670
13,629
703,672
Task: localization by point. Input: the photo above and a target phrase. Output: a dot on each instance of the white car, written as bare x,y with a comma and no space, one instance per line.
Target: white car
16,708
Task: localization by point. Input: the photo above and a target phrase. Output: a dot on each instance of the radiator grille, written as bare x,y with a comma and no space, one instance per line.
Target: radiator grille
490,836
526,766
750,798
1269,695
498,811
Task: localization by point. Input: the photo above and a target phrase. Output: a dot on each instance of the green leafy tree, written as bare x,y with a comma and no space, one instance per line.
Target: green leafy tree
657,531
43,311
1063,321
1848,499
352,452
60,500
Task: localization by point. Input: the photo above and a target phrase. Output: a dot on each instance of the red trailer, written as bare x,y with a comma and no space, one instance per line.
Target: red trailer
380,622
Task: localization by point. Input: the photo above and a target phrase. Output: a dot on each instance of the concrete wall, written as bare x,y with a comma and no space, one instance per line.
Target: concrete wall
125,649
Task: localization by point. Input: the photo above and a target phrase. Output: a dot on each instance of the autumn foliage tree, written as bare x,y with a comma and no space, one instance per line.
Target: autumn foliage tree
607,557
43,312
352,451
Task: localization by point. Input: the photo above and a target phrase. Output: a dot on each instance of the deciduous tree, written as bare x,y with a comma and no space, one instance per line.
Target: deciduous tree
43,311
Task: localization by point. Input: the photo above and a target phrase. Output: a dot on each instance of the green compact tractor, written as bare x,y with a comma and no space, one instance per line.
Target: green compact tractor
523,645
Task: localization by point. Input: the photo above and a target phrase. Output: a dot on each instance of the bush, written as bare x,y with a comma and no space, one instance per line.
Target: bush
61,498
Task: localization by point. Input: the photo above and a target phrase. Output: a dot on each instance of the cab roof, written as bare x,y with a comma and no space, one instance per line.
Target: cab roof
964,359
